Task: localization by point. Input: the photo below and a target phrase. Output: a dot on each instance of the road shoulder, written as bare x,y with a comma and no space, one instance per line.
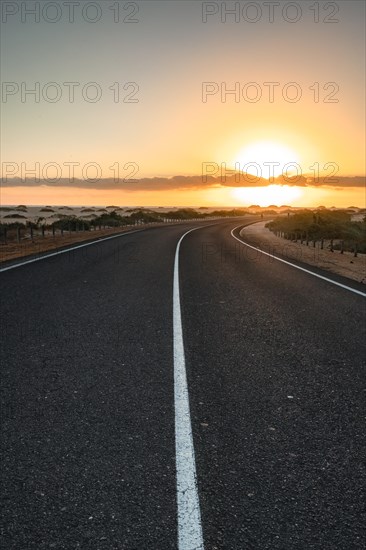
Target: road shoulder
345,264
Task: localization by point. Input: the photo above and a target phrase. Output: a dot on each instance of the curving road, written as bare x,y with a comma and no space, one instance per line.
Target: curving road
275,366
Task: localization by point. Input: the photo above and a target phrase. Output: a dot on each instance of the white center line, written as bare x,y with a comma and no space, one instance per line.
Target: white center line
190,535
298,267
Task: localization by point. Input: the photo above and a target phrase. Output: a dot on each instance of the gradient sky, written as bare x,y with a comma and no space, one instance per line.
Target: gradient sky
169,53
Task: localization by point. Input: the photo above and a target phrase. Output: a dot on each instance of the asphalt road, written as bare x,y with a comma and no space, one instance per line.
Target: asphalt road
275,363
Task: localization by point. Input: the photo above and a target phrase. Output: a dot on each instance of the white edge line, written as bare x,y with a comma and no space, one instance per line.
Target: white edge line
45,256
63,251
298,267
190,536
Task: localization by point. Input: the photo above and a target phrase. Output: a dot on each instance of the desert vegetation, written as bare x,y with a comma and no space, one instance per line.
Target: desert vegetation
331,228
92,219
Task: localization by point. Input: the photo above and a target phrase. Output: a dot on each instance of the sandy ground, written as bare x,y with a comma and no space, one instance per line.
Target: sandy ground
342,264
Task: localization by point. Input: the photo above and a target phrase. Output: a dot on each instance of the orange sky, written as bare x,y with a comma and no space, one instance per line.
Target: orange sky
203,92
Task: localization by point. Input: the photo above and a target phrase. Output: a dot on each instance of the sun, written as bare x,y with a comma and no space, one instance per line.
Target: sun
267,159
266,196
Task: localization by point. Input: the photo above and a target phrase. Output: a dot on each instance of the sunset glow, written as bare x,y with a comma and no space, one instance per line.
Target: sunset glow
266,196
127,111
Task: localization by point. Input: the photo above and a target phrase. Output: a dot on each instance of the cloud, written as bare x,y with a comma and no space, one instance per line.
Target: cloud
187,182
339,181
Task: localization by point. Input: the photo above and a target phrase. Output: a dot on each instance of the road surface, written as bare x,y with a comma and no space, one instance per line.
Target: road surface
275,367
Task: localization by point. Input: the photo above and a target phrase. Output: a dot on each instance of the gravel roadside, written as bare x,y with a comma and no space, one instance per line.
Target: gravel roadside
343,264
